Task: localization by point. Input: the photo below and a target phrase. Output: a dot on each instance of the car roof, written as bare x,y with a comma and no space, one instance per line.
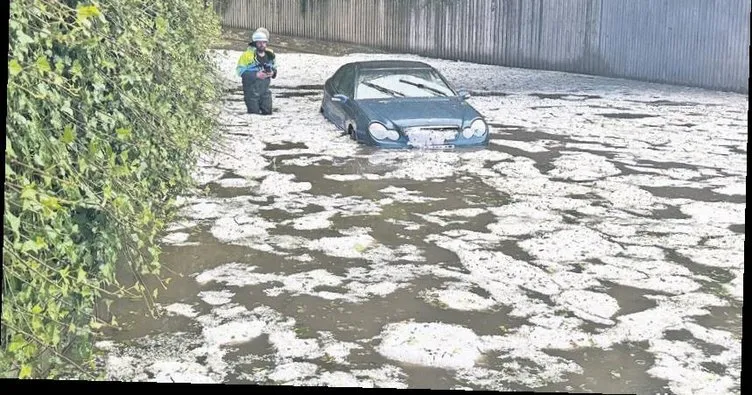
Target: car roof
390,64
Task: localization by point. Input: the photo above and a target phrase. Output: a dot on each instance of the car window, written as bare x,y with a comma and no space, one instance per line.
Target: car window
346,81
335,78
381,84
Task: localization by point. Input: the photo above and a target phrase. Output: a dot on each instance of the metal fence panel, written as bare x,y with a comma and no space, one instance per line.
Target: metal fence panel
702,43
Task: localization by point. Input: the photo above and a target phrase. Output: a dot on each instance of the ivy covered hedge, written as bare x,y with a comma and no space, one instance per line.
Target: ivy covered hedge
109,103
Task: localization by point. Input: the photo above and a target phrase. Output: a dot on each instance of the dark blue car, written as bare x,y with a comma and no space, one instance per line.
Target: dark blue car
401,104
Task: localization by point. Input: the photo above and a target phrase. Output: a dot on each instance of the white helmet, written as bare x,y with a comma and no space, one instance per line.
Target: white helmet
260,34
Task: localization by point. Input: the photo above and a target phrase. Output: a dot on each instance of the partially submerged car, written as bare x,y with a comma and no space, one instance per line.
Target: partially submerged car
401,104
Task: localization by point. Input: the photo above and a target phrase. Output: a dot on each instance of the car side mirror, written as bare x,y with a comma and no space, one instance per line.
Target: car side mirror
464,95
339,98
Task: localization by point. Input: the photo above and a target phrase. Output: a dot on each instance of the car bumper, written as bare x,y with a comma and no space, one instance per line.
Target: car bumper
403,143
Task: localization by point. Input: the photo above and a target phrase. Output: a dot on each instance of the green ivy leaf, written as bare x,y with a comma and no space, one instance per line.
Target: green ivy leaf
86,12
25,371
16,344
68,134
43,65
123,134
14,67
50,202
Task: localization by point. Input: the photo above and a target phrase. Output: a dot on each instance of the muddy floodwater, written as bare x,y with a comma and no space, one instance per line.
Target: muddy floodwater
596,244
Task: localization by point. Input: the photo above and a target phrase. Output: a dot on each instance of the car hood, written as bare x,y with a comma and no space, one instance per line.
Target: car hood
420,112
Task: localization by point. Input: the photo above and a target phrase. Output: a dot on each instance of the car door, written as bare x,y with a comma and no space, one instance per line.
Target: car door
342,99
330,90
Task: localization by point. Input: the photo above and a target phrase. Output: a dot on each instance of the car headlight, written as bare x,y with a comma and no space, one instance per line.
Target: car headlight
380,132
477,128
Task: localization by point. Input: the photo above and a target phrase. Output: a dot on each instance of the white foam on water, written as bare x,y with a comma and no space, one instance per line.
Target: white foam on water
305,282
582,167
240,228
183,309
647,325
236,183
180,225
338,351
482,240
675,240
572,280
205,175
386,376
462,212
344,247
648,180
233,333
430,344
536,185
574,244
499,267
407,196
216,298
199,209
731,242
235,275
475,159
717,213
343,177
739,188
278,184
678,362
293,371
627,196
615,229
714,257
289,346
588,305
681,228
319,220
535,147
526,343
487,379
180,372
302,258
341,379
305,161
459,299
659,276
523,218
426,165
715,336
176,238
735,287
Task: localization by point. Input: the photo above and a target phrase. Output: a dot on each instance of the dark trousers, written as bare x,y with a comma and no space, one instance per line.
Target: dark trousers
258,97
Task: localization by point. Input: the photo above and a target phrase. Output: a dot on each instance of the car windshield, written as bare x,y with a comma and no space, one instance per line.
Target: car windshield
384,84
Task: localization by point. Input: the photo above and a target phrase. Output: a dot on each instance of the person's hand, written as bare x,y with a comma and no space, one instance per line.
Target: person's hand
261,75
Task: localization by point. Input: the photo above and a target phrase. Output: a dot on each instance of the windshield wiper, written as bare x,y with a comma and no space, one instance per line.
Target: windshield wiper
382,89
425,87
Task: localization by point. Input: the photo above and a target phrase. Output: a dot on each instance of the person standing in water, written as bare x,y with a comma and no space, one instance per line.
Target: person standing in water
256,67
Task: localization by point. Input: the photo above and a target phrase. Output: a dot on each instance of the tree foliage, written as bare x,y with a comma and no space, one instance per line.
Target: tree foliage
109,103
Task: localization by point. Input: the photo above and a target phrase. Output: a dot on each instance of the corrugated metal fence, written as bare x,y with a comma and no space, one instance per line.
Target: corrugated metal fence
702,43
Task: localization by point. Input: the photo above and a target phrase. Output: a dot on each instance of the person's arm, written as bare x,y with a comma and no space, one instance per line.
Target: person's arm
247,62
273,61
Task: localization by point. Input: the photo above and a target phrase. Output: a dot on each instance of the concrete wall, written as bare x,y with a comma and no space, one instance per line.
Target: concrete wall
703,43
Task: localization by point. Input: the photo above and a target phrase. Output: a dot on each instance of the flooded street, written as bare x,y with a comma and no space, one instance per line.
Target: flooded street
596,244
